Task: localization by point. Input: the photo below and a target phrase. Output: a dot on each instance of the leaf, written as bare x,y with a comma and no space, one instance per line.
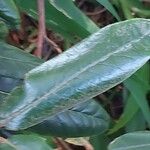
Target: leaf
58,22
3,30
85,119
107,4
93,119
137,123
12,59
3,95
128,7
131,141
131,111
143,74
7,84
142,78
9,13
89,68
14,63
100,142
25,142
70,10
139,90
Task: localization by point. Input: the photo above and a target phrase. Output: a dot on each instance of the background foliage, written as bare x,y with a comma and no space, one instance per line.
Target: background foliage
64,96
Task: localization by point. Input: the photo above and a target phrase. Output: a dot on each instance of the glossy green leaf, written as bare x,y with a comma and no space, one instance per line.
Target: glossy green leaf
9,12
85,119
25,142
70,10
91,67
132,141
107,4
59,22
86,115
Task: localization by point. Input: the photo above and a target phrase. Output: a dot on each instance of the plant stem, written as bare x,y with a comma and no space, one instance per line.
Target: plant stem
42,37
41,27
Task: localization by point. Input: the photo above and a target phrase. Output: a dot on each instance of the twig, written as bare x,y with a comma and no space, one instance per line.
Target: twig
42,37
55,46
95,12
41,27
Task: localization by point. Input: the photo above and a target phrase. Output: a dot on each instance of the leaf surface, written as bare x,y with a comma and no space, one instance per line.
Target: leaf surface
132,141
70,10
3,30
9,12
89,68
139,90
85,119
14,63
75,121
25,142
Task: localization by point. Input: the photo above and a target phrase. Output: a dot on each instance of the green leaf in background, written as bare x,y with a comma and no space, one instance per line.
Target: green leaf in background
70,10
130,111
143,75
85,119
100,142
132,141
91,67
24,142
59,22
14,63
9,13
134,8
139,90
3,30
107,4
137,123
